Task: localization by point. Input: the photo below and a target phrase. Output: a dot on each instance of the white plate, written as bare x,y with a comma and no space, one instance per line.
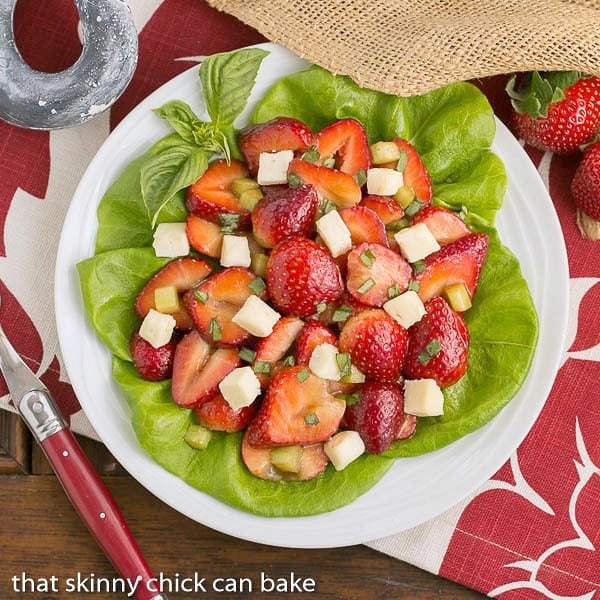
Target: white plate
414,490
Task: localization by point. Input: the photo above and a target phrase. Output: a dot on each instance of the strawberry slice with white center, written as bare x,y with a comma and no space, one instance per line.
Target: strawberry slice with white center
204,236
415,172
313,461
373,271
364,225
458,262
346,142
313,334
282,133
183,274
216,414
196,372
445,225
340,188
297,409
214,303
212,198
274,347
386,208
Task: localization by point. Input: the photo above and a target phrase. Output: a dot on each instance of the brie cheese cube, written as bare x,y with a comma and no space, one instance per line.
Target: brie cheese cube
157,328
240,388
170,240
384,182
335,233
416,242
323,362
256,317
235,251
406,309
273,167
423,398
343,448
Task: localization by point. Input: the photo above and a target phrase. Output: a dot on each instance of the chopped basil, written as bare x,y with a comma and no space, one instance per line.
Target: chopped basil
349,399
366,286
393,291
311,155
202,296
361,177
402,161
329,162
247,355
430,351
229,222
344,363
262,366
326,206
367,257
215,330
413,208
311,419
293,180
414,286
418,267
302,375
321,307
341,314
257,285
289,361
398,225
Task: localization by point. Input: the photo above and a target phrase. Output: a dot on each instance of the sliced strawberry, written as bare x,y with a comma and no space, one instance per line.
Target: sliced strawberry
415,173
216,414
373,270
215,302
313,334
258,461
376,343
458,262
297,409
438,345
282,133
184,274
386,208
204,236
378,415
346,141
364,225
274,347
197,373
330,184
290,213
211,196
153,364
445,225
302,275
407,427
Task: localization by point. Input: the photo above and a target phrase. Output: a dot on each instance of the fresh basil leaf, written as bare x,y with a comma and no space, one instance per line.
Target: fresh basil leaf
168,172
181,118
227,80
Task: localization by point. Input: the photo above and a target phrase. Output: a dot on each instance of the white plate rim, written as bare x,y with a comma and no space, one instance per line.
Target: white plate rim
340,527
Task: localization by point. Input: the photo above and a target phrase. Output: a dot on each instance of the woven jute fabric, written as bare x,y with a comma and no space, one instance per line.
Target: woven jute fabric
409,47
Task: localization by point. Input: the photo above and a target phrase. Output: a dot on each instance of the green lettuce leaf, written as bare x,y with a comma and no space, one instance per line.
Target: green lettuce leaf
219,471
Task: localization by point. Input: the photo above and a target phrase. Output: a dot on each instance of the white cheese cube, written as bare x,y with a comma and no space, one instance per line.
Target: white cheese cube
170,240
343,448
240,388
256,317
335,233
157,328
423,398
384,182
416,242
323,362
273,167
407,309
235,251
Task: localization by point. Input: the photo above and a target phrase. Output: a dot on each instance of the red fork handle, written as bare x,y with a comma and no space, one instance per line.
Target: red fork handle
99,511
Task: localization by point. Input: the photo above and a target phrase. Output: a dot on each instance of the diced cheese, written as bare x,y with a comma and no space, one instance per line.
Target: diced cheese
273,167
170,240
343,448
407,309
335,233
166,299
384,182
235,251
416,242
423,398
323,362
240,388
157,328
256,317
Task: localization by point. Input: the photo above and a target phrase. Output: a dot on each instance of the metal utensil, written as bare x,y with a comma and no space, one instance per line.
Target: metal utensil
83,486
37,100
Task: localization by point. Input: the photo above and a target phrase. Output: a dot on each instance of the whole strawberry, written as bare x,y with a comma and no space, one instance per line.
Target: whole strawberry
378,416
585,186
556,111
153,364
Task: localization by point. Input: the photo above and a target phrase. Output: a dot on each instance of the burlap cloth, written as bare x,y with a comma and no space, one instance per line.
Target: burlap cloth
409,47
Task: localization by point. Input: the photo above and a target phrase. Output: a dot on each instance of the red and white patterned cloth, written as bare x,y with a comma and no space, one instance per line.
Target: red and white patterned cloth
530,532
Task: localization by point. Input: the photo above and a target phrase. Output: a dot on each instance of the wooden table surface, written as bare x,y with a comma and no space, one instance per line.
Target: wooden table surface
41,535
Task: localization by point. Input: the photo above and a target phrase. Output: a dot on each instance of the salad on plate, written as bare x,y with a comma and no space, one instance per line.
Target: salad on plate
294,304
